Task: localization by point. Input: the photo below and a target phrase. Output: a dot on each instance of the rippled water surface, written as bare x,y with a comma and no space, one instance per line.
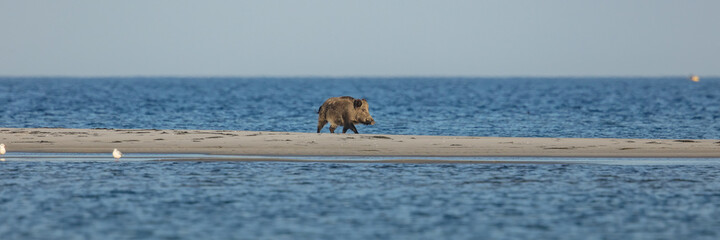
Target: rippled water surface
42,199
46,196
528,107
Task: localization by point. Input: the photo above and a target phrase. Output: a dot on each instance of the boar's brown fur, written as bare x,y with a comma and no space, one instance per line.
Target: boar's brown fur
345,111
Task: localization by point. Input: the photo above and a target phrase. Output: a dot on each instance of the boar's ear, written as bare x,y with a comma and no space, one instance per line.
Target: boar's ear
357,103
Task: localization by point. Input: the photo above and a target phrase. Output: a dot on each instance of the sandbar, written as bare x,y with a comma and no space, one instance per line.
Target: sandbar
228,142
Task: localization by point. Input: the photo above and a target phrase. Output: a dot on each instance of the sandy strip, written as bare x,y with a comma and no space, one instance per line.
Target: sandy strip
325,144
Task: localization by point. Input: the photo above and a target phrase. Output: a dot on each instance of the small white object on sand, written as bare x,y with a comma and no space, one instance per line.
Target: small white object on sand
2,149
117,154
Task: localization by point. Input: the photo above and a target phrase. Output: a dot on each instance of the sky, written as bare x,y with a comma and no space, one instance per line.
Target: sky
359,38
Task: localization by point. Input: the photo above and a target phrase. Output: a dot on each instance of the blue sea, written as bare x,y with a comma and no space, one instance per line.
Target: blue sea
671,107
85,196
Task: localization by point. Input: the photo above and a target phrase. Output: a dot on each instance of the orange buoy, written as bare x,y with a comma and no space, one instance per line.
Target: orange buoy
694,78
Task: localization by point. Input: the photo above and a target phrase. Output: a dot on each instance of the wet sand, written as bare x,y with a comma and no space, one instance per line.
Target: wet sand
62,140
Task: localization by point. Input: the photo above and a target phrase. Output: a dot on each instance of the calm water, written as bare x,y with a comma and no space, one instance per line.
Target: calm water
224,200
535,107
55,196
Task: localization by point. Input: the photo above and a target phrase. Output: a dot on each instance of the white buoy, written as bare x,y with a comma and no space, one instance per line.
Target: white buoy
117,154
2,149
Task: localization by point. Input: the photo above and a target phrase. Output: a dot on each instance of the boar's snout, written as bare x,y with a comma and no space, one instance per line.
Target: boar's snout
367,121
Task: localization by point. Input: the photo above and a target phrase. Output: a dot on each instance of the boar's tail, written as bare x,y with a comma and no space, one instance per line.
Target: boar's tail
319,110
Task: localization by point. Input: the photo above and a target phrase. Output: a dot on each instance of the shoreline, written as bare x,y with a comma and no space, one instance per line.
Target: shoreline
226,142
159,157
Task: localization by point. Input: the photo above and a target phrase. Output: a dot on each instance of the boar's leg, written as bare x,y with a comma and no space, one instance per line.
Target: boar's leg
332,128
321,124
351,127
348,123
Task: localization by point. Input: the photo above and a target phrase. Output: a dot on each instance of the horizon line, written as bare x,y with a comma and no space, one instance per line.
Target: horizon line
349,76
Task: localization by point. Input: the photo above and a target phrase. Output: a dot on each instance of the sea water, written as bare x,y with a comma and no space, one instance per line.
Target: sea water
85,196
93,199
671,107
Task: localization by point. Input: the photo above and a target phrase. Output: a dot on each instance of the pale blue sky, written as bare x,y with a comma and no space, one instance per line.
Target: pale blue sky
359,38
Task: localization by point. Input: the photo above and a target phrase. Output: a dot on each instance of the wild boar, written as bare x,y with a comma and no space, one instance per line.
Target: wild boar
345,111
